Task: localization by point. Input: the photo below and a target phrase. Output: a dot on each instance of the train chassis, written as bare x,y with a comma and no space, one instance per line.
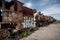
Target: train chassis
6,30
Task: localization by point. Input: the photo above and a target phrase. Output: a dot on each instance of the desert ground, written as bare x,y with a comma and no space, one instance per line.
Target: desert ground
50,32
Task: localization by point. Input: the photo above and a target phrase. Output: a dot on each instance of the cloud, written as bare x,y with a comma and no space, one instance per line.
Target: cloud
28,5
52,10
44,2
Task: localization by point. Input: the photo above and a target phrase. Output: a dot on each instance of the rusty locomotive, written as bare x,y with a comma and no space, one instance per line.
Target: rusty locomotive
14,17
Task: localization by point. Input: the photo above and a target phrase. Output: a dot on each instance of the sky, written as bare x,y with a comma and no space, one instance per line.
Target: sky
47,7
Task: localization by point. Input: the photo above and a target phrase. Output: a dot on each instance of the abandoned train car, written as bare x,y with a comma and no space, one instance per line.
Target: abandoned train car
14,17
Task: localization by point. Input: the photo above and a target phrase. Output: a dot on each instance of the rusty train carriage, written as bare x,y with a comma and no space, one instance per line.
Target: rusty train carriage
42,20
16,17
19,16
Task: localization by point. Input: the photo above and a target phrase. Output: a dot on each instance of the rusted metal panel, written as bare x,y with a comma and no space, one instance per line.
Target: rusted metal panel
28,22
18,16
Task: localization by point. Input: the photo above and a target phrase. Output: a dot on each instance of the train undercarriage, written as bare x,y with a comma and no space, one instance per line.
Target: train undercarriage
7,30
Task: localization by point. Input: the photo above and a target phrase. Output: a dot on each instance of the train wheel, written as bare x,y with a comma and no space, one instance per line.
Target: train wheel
5,34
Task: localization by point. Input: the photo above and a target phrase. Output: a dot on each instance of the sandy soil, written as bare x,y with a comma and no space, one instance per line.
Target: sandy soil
51,32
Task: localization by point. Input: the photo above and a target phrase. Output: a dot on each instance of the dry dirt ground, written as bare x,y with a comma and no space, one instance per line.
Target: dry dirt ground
51,32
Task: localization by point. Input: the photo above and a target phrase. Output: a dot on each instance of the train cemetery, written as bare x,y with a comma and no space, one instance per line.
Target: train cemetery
18,21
